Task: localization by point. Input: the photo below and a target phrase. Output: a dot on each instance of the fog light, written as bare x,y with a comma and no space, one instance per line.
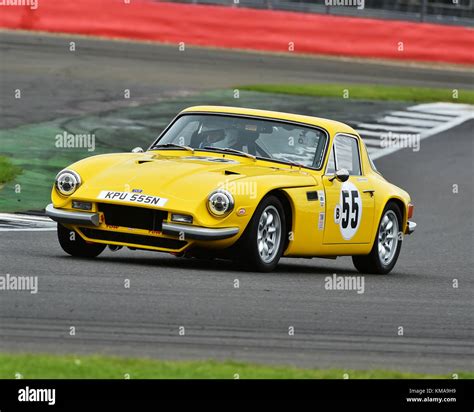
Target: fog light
181,218
76,204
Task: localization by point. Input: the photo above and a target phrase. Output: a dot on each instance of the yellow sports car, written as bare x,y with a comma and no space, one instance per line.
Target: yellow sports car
243,184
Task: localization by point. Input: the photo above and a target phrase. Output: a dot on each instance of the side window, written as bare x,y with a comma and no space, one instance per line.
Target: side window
347,154
331,167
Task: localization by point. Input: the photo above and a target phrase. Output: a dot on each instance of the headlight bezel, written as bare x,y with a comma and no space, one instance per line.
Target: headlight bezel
213,198
60,186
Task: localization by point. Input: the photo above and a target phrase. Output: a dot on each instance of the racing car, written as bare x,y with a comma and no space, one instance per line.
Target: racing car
237,183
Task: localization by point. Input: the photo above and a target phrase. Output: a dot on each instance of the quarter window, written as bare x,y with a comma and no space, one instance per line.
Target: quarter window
347,154
331,167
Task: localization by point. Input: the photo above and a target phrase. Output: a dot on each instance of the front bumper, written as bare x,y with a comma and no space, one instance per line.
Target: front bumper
72,218
199,233
411,226
173,229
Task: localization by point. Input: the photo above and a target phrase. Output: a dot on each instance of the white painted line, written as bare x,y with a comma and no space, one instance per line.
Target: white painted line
407,121
15,216
364,133
425,116
31,229
372,142
12,222
377,126
423,119
451,109
433,113
428,133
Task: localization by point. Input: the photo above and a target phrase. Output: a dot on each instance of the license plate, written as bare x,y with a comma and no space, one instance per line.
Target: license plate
128,197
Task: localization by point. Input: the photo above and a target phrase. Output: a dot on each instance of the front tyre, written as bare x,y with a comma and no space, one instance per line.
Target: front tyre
263,240
387,244
73,244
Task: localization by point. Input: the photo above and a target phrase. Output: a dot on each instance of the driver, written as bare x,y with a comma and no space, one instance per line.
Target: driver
219,138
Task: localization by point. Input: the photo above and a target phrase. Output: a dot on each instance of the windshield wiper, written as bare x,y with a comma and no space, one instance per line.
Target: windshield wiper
175,145
293,162
230,150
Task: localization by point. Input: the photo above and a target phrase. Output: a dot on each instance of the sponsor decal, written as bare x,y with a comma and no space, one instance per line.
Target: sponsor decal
321,197
321,221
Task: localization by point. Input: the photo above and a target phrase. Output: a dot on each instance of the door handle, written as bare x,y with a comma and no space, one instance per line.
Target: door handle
371,191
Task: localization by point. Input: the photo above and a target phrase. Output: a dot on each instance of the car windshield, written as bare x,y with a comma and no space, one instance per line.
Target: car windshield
264,139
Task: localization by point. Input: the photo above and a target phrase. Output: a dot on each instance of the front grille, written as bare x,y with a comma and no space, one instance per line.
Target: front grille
134,239
133,217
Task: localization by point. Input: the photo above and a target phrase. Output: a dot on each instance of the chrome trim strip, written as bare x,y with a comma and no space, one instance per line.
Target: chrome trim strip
199,233
68,217
411,226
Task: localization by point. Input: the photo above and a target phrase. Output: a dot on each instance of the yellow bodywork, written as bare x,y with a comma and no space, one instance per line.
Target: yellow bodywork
187,183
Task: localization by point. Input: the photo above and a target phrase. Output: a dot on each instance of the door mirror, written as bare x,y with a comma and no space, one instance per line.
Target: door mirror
137,150
342,175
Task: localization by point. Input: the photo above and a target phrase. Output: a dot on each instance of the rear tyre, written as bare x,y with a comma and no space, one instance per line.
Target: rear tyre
73,244
387,244
263,241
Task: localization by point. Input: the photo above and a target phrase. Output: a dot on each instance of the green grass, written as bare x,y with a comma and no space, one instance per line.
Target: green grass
35,366
366,92
8,171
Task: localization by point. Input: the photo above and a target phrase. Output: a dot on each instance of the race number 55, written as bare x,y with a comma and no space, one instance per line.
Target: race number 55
347,214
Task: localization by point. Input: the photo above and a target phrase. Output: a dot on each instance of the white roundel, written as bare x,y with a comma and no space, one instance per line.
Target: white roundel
348,213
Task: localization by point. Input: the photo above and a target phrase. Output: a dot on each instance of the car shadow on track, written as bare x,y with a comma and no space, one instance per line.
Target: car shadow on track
213,265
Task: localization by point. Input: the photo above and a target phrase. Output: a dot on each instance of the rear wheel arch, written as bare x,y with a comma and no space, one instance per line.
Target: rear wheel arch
378,215
377,260
401,206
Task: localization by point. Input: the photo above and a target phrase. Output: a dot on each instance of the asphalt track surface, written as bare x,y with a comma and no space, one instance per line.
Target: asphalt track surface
332,328
56,82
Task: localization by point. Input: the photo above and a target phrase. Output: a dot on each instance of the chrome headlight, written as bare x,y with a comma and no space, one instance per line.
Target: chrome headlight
67,182
220,202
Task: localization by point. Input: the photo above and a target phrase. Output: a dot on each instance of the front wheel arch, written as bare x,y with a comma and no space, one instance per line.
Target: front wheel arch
287,207
245,249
